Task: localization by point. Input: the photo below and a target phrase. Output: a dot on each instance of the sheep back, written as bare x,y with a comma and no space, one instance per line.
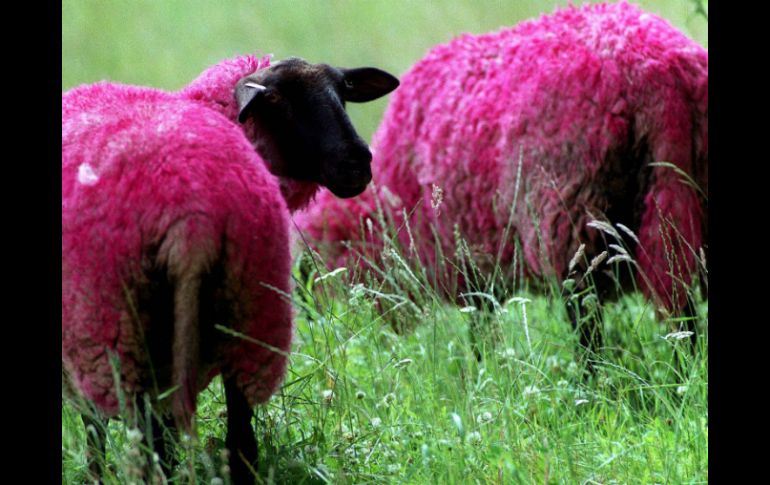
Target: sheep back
155,187
548,125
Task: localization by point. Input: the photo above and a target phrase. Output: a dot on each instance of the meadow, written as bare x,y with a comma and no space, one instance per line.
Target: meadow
363,403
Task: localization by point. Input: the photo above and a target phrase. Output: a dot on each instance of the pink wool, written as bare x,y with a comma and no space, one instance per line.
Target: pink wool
580,102
156,186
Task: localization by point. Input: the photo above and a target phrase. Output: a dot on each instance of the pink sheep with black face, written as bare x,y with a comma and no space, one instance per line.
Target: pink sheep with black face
175,220
572,109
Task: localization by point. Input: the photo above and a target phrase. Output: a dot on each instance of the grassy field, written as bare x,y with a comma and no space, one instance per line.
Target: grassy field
361,403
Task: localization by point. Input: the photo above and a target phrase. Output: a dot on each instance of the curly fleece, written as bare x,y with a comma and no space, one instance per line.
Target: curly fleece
580,103
160,189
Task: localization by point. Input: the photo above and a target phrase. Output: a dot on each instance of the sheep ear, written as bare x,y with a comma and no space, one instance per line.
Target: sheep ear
367,83
246,94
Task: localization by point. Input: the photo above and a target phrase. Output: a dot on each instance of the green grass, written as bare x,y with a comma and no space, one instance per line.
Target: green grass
362,404
168,43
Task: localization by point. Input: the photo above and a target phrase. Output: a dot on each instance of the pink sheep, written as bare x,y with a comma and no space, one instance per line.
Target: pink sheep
174,222
521,138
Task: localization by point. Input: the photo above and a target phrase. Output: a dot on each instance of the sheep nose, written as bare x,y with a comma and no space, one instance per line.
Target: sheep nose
359,154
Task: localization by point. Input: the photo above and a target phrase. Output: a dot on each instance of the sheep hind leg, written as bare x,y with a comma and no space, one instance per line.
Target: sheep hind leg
587,318
165,450
240,440
589,324
482,329
159,429
96,434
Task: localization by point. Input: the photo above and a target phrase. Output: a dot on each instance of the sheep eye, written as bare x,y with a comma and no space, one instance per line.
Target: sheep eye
272,97
348,84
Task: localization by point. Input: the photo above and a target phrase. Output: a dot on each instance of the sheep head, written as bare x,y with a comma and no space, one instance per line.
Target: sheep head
303,131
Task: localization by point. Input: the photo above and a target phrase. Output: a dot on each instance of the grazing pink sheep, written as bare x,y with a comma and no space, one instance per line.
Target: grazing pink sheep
174,222
519,138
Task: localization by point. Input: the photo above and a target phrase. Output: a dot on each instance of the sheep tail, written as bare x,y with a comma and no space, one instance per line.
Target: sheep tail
186,348
188,257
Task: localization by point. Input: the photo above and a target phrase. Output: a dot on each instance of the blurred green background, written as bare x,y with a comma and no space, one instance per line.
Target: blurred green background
167,43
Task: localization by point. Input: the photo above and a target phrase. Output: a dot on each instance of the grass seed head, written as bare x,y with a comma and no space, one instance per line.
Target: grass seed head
577,257
596,262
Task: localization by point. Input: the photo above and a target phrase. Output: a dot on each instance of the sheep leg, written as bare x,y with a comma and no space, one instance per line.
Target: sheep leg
589,324
95,444
480,323
240,440
165,451
588,319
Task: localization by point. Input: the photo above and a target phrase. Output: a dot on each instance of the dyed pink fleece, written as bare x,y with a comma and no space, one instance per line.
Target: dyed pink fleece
586,98
156,185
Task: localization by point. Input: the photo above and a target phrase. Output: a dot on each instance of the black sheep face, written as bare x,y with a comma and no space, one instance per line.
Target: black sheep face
302,129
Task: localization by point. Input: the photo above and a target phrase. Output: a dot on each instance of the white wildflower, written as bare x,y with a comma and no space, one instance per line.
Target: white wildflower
508,354
446,442
458,421
483,418
376,422
531,390
473,438
134,435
